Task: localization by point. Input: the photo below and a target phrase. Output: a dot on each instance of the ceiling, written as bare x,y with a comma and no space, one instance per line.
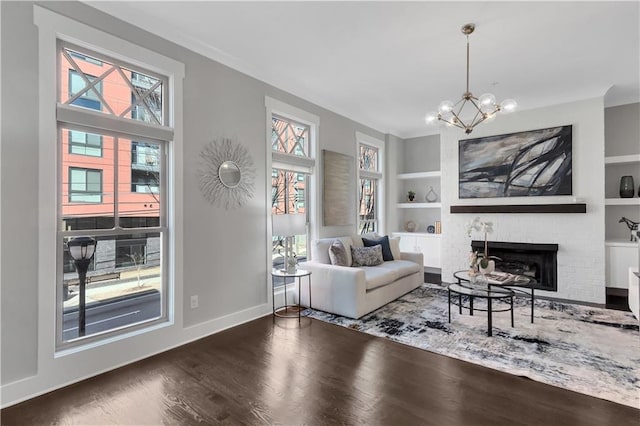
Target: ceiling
386,64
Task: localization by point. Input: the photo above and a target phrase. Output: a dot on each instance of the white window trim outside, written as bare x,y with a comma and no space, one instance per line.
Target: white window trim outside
62,367
362,138
274,106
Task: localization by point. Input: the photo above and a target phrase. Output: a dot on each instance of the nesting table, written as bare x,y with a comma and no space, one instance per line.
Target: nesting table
472,292
521,284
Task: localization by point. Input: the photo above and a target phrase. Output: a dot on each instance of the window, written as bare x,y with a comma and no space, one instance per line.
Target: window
289,136
85,58
288,192
151,106
370,184
83,143
292,143
88,98
114,192
145,167
85,185
131,251
112,87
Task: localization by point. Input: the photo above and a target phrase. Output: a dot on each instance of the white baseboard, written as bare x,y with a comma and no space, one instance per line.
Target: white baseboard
43,382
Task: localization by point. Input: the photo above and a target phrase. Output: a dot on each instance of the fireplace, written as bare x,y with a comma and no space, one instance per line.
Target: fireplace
536,260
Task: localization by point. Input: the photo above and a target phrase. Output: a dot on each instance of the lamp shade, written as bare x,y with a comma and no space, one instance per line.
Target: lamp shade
289,224
81,247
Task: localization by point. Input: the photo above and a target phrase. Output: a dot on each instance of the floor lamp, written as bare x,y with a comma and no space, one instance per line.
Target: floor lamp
288,226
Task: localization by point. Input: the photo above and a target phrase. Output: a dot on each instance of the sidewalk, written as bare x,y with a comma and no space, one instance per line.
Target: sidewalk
125,286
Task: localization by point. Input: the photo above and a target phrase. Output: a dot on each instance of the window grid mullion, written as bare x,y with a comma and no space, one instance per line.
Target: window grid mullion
90,84
364,174
116,189
145,100
140,98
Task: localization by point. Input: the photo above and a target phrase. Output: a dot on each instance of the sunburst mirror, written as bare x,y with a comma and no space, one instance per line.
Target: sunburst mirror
227,175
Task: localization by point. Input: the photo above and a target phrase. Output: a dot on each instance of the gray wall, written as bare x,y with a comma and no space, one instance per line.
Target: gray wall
224,251
622,130
393,166
422,154
19,182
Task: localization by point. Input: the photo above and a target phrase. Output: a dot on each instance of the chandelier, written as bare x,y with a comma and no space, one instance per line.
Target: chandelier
470,111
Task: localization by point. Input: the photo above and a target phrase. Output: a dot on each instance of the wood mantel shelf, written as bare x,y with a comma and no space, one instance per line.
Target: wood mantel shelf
521,208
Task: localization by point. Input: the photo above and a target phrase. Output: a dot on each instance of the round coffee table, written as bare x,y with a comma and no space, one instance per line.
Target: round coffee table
522,284
489,294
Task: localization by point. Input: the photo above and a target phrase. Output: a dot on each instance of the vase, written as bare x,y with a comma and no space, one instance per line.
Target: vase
480,281
431,196
627,188
489,269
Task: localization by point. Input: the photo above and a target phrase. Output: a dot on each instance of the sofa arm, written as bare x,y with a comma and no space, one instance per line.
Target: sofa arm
413,257
337,289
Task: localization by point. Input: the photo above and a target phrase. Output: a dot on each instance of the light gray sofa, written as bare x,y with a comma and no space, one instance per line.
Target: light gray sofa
356,291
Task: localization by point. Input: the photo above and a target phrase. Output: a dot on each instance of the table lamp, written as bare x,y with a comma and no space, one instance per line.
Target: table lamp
288,226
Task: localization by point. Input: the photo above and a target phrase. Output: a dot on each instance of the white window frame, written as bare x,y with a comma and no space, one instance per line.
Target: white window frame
293,163
79,360
364,139
111,125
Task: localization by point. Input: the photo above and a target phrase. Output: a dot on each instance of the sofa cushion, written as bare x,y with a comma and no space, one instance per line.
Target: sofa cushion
338,254
384,243
400,268
320,249
366,256
394,243
377,277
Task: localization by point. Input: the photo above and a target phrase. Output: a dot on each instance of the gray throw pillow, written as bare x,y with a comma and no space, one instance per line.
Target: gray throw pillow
367,256
338,254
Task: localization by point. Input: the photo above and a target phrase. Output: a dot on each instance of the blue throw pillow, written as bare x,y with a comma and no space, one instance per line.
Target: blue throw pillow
384,242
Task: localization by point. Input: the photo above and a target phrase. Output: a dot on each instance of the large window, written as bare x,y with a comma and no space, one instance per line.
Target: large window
370,184
113,189
292,161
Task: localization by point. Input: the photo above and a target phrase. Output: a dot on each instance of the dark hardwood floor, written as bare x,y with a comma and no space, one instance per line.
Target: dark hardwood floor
313,373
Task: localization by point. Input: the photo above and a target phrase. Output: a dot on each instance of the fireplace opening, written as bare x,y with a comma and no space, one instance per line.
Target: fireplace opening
532,259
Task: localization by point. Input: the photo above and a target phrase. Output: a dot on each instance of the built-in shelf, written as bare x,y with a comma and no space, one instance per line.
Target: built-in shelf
422,234
420,175
522,208
622,201
623,159
620,242
419,205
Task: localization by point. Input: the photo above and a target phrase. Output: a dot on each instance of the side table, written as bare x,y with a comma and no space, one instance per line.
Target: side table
289,310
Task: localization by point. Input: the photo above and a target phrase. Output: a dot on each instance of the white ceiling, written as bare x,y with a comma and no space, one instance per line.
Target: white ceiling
386,64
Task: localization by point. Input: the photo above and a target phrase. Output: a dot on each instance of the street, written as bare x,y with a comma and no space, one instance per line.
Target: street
113,313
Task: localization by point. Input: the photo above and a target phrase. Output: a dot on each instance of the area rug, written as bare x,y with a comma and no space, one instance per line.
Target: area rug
588,350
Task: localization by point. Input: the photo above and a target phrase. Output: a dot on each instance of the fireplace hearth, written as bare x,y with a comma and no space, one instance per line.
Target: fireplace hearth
532,259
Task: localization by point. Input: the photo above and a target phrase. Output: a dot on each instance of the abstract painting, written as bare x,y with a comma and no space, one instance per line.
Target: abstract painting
339,201
523,164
